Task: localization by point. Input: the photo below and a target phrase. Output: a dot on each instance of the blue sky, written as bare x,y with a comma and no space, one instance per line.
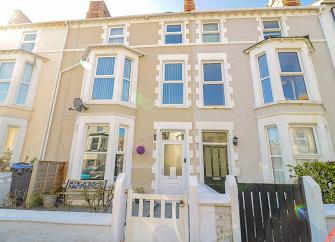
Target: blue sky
49,10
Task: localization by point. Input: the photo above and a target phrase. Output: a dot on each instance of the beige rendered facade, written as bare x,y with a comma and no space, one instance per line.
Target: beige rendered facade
184,86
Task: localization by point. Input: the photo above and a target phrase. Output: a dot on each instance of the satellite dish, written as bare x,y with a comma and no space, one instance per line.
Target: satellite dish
78,105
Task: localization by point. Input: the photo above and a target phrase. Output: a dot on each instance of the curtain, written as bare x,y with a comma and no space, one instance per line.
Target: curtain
173,72
103,88
173,93
105,66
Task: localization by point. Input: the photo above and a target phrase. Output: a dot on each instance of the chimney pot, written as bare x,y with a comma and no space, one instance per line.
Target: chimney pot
97,9
284,3
189,5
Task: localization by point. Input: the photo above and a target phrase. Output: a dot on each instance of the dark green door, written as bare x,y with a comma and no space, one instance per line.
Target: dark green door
215,166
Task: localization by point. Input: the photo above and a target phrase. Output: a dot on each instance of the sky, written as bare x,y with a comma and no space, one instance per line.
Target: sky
49,10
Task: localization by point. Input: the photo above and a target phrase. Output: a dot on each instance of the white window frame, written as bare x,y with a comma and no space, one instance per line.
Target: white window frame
301,73
223,82
280,29
130,79
305,156
79,143
203,32
109,36
27,83
118,152
173,82
29,41
9,81
182,31
262,79
275,156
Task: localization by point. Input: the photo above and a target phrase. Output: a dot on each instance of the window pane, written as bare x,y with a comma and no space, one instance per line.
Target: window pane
214,95
118,165
289,62
263,66
122,135
125,90
271,24
173,93
30,37
118,40
214,137
116,31
267,90
103,88
272,34
294,88
28,46
173,28
212,72
6,69
127,69
173,72
211,38
22,94
95,153
173,159
279,176
274,141
12,133
28,70
172,135
3,91
105,66
303,141
173,39
211,27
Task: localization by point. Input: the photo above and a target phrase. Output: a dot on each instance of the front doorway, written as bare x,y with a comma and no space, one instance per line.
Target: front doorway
215,158
172,163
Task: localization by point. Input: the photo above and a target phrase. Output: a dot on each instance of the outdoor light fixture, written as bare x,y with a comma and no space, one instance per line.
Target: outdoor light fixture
235,140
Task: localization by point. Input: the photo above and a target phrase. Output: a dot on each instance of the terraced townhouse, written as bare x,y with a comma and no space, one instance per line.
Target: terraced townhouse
245,92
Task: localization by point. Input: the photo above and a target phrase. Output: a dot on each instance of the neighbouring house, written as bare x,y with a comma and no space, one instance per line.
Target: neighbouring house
244,92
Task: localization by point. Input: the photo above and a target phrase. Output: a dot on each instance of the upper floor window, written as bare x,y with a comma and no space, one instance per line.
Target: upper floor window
275,154
22,94
173,83
126,80
213,84
6,70
271,28
173,34
292,76
103,85
265,79
210,33
28,41
116,35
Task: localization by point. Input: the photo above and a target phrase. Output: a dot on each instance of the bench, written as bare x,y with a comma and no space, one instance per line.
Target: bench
75,190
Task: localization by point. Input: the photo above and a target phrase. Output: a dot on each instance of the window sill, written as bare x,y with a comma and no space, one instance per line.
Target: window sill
173,106
300,102
215,107
112,102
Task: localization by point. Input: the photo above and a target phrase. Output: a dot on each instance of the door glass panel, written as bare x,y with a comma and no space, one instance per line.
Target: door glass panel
172,136
95,153
173,160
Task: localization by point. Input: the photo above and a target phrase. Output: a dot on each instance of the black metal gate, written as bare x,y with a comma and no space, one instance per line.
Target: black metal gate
273,212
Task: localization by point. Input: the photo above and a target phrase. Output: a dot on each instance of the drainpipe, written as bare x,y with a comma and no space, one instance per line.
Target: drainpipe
47,131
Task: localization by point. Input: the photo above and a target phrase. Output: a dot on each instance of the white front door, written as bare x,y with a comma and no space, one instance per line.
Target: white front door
172,163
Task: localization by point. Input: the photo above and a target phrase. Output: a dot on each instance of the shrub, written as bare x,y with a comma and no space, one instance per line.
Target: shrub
322,172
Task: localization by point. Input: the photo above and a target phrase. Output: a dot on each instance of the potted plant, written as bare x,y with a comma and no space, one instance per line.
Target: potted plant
5,175
49,199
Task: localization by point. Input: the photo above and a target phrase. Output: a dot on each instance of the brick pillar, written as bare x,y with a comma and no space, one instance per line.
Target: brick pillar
189,5
97,9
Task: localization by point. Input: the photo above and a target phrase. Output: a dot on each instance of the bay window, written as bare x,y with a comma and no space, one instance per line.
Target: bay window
173,84
173,34
265,79
22,94
103,86
6,70
292,76
120,153
126,80
213,84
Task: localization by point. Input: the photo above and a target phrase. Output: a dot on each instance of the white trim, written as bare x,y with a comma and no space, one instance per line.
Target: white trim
228,89
232,154
180,58
6,122
283,122
79,138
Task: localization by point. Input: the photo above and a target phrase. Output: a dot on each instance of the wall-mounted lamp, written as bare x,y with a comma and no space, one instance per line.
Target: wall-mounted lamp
235,140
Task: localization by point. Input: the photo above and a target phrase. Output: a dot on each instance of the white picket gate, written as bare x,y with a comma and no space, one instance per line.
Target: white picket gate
156,218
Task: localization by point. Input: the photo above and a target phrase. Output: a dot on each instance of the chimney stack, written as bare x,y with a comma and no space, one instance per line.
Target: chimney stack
97,9
18,17
284,3
189,5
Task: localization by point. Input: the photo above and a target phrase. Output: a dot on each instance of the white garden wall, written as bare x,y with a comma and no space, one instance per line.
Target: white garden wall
330,218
